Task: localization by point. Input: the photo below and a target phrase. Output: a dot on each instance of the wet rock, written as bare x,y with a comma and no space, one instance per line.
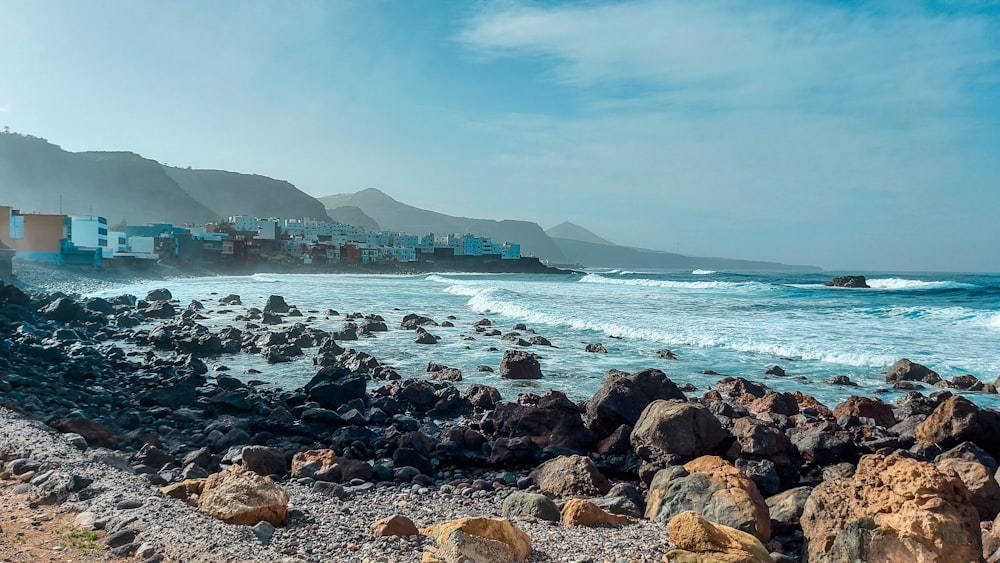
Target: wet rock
413,321
335,385
848,281
276,305
905,370
161,294
424,337
666,354
596,348
517,364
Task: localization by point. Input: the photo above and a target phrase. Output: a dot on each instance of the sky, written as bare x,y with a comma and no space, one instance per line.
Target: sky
847,135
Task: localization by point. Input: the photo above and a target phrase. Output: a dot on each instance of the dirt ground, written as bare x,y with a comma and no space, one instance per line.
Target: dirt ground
43,533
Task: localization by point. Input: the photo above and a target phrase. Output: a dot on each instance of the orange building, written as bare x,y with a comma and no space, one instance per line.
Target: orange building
35,236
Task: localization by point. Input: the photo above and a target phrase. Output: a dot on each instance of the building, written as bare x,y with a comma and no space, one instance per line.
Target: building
510,251
6,263
35,236
89,233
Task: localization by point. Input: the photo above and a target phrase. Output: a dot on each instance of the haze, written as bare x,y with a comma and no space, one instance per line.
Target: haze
840,134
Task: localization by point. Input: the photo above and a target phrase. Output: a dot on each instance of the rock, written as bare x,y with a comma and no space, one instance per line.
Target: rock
848,281
775,403
161,294
63,309
263,460
518,364
264,532
334,385
622,398
538,506
231,299
714,489
570,476
238,496
786,507
443,373
867,407
841,380
413,321
905,370
893,509
596,348
320,465
395,525
670,431
186,490
743,390
424,337
551,420
776,371
757,438
276,305
823,443
979,479
462,538
701,541
94,432
582,512
666,354
967,382
482,397
958,420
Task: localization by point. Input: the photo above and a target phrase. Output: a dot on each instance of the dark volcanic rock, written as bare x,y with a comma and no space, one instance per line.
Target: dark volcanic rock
518,364
623,397
161,294
848,281
276,304
335,385
905,370
596,348
552,420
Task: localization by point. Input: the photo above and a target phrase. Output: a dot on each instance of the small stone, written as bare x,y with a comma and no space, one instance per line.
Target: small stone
120,538
264,531
129,504
145,551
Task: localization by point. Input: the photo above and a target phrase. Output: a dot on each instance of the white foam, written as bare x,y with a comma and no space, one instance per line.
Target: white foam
700,272
994,321
903,284
669,284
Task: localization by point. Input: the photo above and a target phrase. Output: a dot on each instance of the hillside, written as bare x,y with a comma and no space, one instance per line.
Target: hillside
572,231
38,176
393,215
353,215
232,193
604,256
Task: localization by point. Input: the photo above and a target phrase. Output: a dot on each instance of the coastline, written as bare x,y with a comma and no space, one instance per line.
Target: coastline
417,446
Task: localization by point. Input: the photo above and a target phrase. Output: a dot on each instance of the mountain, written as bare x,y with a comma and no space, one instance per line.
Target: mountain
604,256
38,176
232,193
572,231
396,216
353,215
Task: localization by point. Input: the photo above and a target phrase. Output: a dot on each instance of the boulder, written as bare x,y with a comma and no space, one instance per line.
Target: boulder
671,431
596,348
334,385
424,337
231,299
905,370
412,321
714,489
701,541
757,438
979,479
775,403
823,443
480,540
63,309
161,294
242,497
395,525
582,512
957,420
894,508
549,420
276,305
534,505
786,507
622,398
518,364
264,460
866,407
320,465
94,432
848,281
570,476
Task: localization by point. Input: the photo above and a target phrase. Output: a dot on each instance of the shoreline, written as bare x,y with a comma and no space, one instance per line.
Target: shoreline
418,446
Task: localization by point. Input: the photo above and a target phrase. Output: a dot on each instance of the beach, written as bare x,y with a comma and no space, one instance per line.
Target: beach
112,402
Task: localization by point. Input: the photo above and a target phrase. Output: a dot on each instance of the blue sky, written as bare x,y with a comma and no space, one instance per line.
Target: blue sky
849,135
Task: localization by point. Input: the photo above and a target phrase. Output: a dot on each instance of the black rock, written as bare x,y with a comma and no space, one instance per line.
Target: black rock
848,281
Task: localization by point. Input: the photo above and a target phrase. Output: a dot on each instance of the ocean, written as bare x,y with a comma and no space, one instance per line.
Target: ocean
736,324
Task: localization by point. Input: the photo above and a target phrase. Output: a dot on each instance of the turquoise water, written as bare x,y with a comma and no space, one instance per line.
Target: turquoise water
734,324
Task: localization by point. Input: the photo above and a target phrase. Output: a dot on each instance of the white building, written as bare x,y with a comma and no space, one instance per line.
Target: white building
245,223
90,233
268,230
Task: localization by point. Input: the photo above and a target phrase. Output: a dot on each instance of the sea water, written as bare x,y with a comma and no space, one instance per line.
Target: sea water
736,324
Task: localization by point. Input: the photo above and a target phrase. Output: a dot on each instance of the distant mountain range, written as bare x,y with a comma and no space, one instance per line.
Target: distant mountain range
38,176
565,243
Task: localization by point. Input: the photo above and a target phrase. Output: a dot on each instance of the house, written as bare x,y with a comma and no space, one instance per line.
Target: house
35,236
6,263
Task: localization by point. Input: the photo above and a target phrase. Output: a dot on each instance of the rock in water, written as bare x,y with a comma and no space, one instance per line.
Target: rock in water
848,281
700,541
517,364
893,509
238,496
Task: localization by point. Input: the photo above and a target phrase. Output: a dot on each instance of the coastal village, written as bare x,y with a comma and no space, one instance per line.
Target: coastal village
239,240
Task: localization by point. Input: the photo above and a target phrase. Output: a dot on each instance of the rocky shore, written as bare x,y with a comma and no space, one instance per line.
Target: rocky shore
111,420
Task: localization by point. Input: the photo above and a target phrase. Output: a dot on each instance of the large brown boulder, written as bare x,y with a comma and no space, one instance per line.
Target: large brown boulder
238,496
394,526
570,476
623,397
979,479
701,541
479,539
671,431
894,508
866,407
582,512
957,420
714,489
758,438
776,403
905,370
